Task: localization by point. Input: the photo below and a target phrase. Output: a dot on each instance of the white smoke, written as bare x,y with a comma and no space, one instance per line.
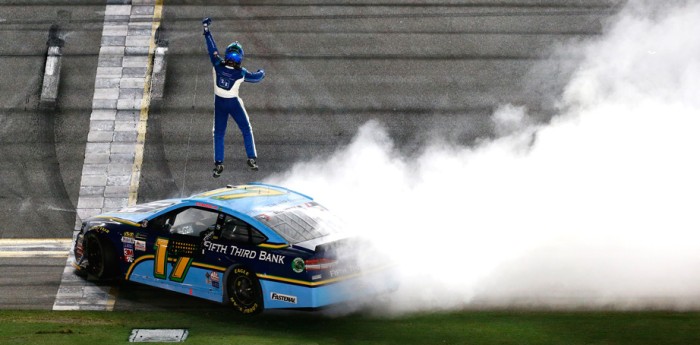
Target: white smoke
597,209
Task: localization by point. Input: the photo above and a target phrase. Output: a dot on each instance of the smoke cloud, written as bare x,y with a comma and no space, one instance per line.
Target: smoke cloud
596,209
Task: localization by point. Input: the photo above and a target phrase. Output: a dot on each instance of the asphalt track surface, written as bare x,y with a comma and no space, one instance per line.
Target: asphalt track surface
420,68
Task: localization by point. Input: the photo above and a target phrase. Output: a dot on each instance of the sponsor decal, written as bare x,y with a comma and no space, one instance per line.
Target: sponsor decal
205,205
128,255
127,239
215,247
128,234
298,265
214,277
344,271
140,245
244,253
283,298
276,258
101,229
316,277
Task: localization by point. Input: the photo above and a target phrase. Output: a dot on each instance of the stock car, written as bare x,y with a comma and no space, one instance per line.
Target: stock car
254,246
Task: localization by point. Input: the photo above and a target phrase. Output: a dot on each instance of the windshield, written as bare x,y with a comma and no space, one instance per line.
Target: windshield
301,223
150,207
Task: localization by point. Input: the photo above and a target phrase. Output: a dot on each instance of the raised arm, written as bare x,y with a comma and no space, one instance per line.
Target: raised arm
211,45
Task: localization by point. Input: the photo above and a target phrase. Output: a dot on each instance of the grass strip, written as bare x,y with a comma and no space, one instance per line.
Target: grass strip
469,327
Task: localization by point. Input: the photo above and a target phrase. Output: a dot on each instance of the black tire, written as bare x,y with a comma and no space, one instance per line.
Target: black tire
244,292
102,263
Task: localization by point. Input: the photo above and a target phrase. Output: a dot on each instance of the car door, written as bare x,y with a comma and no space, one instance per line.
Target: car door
173,244
184,244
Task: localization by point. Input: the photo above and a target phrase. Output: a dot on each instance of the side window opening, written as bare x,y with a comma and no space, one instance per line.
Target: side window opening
192,221
164,222
239,231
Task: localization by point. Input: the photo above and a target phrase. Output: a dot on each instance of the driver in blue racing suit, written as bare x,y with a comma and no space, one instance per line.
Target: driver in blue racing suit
228,76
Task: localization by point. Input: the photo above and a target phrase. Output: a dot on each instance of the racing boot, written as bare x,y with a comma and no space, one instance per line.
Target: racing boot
218,168
252,164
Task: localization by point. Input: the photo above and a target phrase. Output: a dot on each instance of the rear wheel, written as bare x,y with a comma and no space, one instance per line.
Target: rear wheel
100,255
244,291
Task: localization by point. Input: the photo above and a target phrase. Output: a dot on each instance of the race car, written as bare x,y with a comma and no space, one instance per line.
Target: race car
255,246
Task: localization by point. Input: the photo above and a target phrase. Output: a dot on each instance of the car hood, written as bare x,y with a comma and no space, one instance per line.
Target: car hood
140,212
131,217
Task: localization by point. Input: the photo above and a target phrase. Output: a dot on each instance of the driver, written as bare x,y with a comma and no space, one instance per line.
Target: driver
228,76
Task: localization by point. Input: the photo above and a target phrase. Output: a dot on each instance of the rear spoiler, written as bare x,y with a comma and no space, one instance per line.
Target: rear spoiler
345,243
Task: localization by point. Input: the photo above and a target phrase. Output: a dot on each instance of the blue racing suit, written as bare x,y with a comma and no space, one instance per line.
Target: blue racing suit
227,80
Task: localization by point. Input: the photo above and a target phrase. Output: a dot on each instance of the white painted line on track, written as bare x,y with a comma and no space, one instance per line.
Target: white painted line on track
113,103
35,247
33,254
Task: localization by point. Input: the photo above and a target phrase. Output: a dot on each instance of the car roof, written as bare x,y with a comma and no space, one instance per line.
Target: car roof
244,201
251,199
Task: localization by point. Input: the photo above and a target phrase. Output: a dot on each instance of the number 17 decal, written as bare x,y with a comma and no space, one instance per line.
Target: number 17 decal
160,270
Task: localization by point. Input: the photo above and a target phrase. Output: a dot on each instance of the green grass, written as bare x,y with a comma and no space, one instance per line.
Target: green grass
206,327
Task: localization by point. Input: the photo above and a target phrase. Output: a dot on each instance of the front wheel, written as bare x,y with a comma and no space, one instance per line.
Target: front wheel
100,255
244,291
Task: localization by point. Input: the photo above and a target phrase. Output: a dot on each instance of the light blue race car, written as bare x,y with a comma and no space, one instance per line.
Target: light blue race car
254,246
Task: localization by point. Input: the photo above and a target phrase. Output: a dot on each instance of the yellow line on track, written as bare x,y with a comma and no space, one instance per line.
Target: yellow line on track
145,107
113,294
